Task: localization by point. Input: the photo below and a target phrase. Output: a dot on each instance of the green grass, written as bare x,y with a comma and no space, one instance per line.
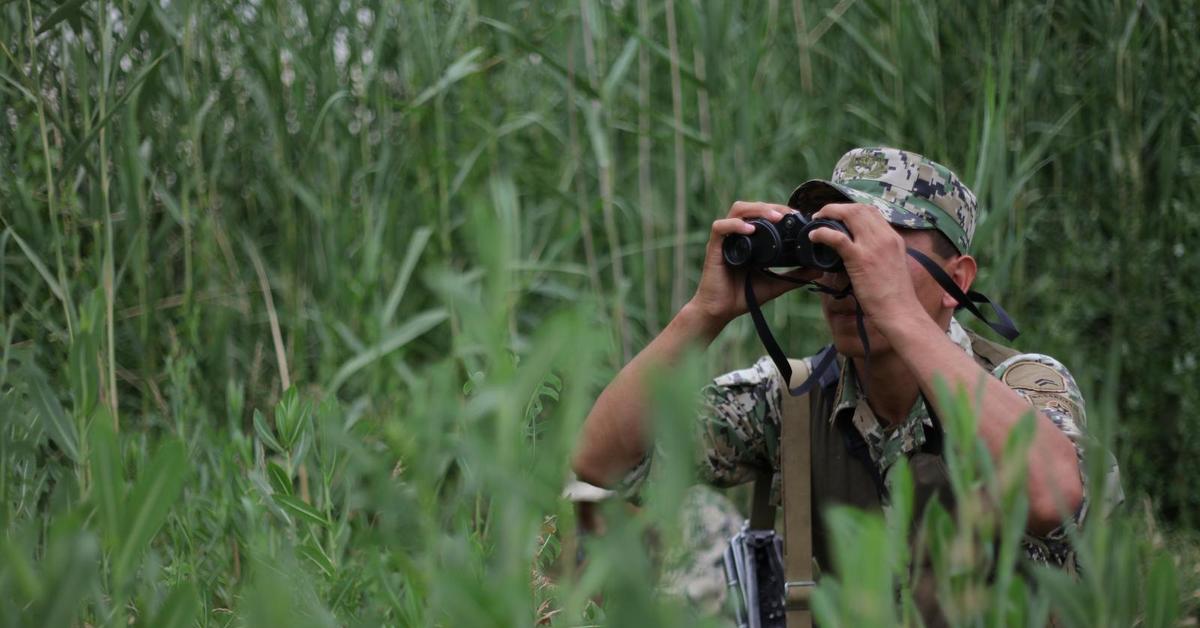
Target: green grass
444,225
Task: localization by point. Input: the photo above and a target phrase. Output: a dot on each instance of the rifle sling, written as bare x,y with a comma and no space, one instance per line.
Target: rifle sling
796,469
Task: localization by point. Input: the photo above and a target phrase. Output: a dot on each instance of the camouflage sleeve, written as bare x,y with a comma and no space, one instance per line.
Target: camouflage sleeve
739,424
1046,384
738,429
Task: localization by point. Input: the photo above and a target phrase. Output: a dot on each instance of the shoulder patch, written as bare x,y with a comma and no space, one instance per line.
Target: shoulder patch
1035,377
1054,401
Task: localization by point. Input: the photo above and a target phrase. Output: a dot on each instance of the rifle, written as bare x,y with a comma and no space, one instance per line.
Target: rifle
754,575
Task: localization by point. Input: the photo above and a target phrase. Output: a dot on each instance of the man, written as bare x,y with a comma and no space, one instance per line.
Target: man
889,200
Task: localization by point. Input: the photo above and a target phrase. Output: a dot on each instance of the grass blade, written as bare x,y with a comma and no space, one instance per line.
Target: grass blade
60,427
180,608
463,67
66,11
416,245
77,154
39,266
399,337
75,571
1162,594
158,488
108,485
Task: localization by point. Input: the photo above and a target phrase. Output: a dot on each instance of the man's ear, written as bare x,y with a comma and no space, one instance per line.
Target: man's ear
962,270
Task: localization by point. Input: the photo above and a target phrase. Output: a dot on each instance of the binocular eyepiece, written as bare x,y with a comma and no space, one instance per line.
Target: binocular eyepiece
784,243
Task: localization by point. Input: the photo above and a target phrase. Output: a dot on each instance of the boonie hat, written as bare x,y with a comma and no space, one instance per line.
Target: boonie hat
909,190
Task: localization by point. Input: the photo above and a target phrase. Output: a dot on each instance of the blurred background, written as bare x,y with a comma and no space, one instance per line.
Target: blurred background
444,225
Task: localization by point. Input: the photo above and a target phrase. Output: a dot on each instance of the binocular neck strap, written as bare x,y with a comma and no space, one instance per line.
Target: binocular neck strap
967,300
821,362
1004,324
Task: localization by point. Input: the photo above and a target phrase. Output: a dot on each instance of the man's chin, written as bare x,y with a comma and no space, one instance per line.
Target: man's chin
847,343
849,347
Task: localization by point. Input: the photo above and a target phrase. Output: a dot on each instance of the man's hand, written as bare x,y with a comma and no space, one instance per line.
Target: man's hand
720,294
616,434
875,259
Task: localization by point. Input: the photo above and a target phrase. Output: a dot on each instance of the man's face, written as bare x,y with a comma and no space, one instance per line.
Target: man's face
840,313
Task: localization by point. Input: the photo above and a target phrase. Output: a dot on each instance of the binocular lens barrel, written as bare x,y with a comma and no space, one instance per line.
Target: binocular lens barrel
781,244
761,248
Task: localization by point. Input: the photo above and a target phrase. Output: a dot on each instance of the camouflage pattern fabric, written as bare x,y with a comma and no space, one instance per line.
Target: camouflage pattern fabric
909,190
1047,385
697,573
739,431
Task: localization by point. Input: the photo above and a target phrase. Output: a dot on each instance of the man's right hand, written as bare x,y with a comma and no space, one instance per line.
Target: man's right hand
616,434
720,295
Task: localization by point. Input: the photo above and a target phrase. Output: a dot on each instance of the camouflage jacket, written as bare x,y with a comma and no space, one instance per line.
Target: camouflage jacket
739,429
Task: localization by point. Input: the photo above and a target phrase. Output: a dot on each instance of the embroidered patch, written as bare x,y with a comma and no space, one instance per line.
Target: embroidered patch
1051,401
868,166
1035,377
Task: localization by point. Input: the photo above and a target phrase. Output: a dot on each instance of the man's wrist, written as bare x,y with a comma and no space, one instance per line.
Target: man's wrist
699,323
907,328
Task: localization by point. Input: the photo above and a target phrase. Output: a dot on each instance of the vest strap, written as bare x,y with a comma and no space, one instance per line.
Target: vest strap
796,467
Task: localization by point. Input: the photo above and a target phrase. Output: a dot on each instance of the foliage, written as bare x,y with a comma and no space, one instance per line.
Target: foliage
304,302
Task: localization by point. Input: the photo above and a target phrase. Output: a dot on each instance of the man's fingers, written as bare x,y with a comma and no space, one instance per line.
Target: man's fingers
832,238
726,226
751,209
853,214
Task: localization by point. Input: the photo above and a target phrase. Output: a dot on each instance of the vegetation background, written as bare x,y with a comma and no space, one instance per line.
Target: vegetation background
304,302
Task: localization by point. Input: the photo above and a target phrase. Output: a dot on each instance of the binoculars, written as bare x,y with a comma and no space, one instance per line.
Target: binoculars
784,243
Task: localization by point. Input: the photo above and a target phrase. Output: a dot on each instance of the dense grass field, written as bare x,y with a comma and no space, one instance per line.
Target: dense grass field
304,302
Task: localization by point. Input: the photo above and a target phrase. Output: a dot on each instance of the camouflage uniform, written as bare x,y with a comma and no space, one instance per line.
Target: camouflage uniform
740,428
739,435
740,422
695,573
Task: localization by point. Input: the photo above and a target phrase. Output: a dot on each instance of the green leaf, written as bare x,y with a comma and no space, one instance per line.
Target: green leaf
60,427
289,417
462,67
235,402
108,484
158,488
596,130
281,482
397,338
415,246
74,570
67,11
619,68
302,510
77,153
580,83
316,554
1070,600
1162,594
18,569
180,608
39,266
84,355
264,432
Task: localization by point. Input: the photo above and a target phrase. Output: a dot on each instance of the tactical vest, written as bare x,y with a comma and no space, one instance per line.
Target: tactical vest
842,472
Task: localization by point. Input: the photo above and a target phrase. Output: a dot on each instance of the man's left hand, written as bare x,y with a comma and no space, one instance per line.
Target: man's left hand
876,260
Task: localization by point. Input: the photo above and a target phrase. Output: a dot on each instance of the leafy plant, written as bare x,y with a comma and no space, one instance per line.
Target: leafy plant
304,302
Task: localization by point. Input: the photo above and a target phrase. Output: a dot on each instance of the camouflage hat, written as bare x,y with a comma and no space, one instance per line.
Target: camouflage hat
908,189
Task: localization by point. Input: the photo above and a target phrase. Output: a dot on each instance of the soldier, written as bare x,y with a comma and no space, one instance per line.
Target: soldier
889,200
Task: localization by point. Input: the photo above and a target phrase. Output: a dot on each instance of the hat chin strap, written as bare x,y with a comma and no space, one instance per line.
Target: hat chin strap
821,373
